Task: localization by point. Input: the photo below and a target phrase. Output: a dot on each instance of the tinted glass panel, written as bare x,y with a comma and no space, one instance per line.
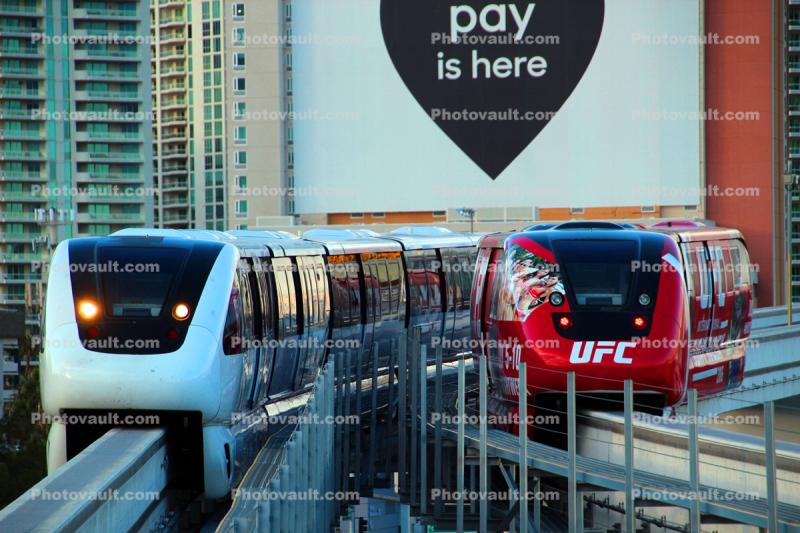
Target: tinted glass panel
598,272
140,280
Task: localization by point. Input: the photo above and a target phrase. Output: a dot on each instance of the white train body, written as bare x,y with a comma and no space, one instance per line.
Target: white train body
136,353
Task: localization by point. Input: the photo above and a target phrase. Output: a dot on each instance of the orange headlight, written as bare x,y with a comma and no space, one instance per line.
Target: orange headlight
180,312
87,309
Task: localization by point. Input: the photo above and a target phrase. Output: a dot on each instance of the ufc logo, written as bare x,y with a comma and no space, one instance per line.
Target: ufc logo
589,353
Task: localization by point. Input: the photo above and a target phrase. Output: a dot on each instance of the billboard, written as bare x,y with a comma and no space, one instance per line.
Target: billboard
405,105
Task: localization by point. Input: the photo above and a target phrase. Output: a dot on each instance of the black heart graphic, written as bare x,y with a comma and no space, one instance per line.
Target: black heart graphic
492,119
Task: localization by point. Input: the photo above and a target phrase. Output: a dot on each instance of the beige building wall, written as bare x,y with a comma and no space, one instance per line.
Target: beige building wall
254,125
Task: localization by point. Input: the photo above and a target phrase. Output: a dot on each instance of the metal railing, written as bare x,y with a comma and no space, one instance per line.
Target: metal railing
303,465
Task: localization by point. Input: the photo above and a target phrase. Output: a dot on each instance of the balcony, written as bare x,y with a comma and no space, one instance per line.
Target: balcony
172,37
179,70
25,135
19,30
22,114
175,218
25,258
20,72
17,9
106,75
175,186
21,175
18,278
21,155
108,156
172,21
99,53
171,120
175,103
17,216
108,136
24,196
174,87
112,96
111,217
20,51
20,92
114,34
107,177
105,13
18,237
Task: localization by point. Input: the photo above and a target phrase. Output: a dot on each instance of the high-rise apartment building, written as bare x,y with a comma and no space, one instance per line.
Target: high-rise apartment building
75,131
220,86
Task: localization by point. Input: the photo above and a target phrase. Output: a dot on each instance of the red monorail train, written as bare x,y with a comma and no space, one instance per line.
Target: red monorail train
668,306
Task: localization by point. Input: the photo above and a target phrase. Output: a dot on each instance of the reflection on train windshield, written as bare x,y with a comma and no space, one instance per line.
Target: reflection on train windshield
530,280
137,281
598,272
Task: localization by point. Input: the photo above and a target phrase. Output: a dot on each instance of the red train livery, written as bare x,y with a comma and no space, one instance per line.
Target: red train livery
668,306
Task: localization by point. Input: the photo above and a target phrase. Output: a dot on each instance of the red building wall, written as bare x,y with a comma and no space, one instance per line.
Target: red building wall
739,153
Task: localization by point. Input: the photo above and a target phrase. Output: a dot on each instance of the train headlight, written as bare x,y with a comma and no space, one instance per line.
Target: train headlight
565,322
180,312
639,322
644,299
87,309
556,299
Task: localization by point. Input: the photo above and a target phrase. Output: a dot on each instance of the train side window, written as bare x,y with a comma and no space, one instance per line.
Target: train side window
354,286
247,305
741,262
417,284
497,278
255,294
340,289
395,285
287,300
267,292
449,259
308,295
232,334
729,266
323,294
467,262
697,261
434,280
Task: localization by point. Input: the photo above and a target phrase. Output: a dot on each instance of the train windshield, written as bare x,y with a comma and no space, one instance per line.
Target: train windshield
598,272
137,281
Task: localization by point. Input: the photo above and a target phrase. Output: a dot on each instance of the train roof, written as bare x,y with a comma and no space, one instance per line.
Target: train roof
681,231
346,241
318,241
429,237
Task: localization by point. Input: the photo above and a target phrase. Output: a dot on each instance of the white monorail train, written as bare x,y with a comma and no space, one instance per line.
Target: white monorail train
197,327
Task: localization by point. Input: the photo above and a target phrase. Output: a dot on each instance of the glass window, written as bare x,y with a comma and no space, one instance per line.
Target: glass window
238,61
598,272
141,284
232,334
238,37
238,11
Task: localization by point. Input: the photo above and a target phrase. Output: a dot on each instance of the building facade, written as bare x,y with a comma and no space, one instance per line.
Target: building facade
75,132
220,89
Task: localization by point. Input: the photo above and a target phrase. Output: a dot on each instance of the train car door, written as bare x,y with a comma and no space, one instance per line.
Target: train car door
372,307
314,294
285,360
724,290
266,283
477,293
490,301
245,339
699,283
450,267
